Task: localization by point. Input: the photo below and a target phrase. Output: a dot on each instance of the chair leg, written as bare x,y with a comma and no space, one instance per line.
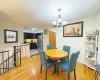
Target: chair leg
57,70
41,69
96,76
74,74
68,76
53,70
46,75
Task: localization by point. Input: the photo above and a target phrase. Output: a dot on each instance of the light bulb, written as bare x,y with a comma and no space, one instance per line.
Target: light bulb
64,22
54,22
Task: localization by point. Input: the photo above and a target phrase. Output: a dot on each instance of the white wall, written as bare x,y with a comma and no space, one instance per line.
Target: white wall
11,27
45,42
76,43
98,21
98,26
7,23
52,29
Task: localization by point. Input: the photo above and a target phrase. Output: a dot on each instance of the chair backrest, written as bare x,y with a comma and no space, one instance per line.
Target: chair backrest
97,67
73,60
49,47
42,58
66,48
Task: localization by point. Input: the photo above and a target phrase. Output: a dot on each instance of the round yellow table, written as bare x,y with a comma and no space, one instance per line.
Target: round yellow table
56,54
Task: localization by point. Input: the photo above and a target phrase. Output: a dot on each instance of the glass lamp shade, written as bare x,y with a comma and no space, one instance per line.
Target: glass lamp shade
59,23
33,29
59,20
54,22
64,22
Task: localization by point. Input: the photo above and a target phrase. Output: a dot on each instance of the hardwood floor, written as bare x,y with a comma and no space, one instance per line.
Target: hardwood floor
30,70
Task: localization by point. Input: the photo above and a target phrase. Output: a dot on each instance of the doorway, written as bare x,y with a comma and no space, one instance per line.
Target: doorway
52,39
34,37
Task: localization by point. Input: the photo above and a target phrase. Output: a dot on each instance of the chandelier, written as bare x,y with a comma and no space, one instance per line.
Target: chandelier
59,22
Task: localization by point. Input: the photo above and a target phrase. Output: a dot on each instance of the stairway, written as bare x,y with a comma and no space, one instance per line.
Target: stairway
10,59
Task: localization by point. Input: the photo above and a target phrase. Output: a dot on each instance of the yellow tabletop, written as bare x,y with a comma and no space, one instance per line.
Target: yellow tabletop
56,54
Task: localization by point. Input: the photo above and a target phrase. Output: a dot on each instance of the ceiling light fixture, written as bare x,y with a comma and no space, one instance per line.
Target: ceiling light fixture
59,22
33,29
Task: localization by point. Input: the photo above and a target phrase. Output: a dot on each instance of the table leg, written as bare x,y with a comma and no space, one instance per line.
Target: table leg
55,69
96,75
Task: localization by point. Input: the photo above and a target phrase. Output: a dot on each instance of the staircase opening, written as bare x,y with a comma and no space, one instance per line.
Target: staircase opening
11,59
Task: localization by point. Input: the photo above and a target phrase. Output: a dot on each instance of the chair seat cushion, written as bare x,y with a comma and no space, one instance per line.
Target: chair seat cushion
50,63
97,68
64,65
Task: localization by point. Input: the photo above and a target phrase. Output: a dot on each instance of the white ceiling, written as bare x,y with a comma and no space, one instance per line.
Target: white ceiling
41,13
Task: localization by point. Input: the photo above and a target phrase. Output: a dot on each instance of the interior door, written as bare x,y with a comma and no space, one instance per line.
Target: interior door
52,39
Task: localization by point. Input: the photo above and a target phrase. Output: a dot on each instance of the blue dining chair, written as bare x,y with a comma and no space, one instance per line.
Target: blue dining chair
71,65
97,67
46,63
66,48
49,47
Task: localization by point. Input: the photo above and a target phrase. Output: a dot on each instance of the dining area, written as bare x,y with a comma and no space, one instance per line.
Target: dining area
62,60
52,64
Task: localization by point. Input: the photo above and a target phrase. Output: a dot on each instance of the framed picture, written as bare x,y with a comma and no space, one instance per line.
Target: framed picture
10,36
73,30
